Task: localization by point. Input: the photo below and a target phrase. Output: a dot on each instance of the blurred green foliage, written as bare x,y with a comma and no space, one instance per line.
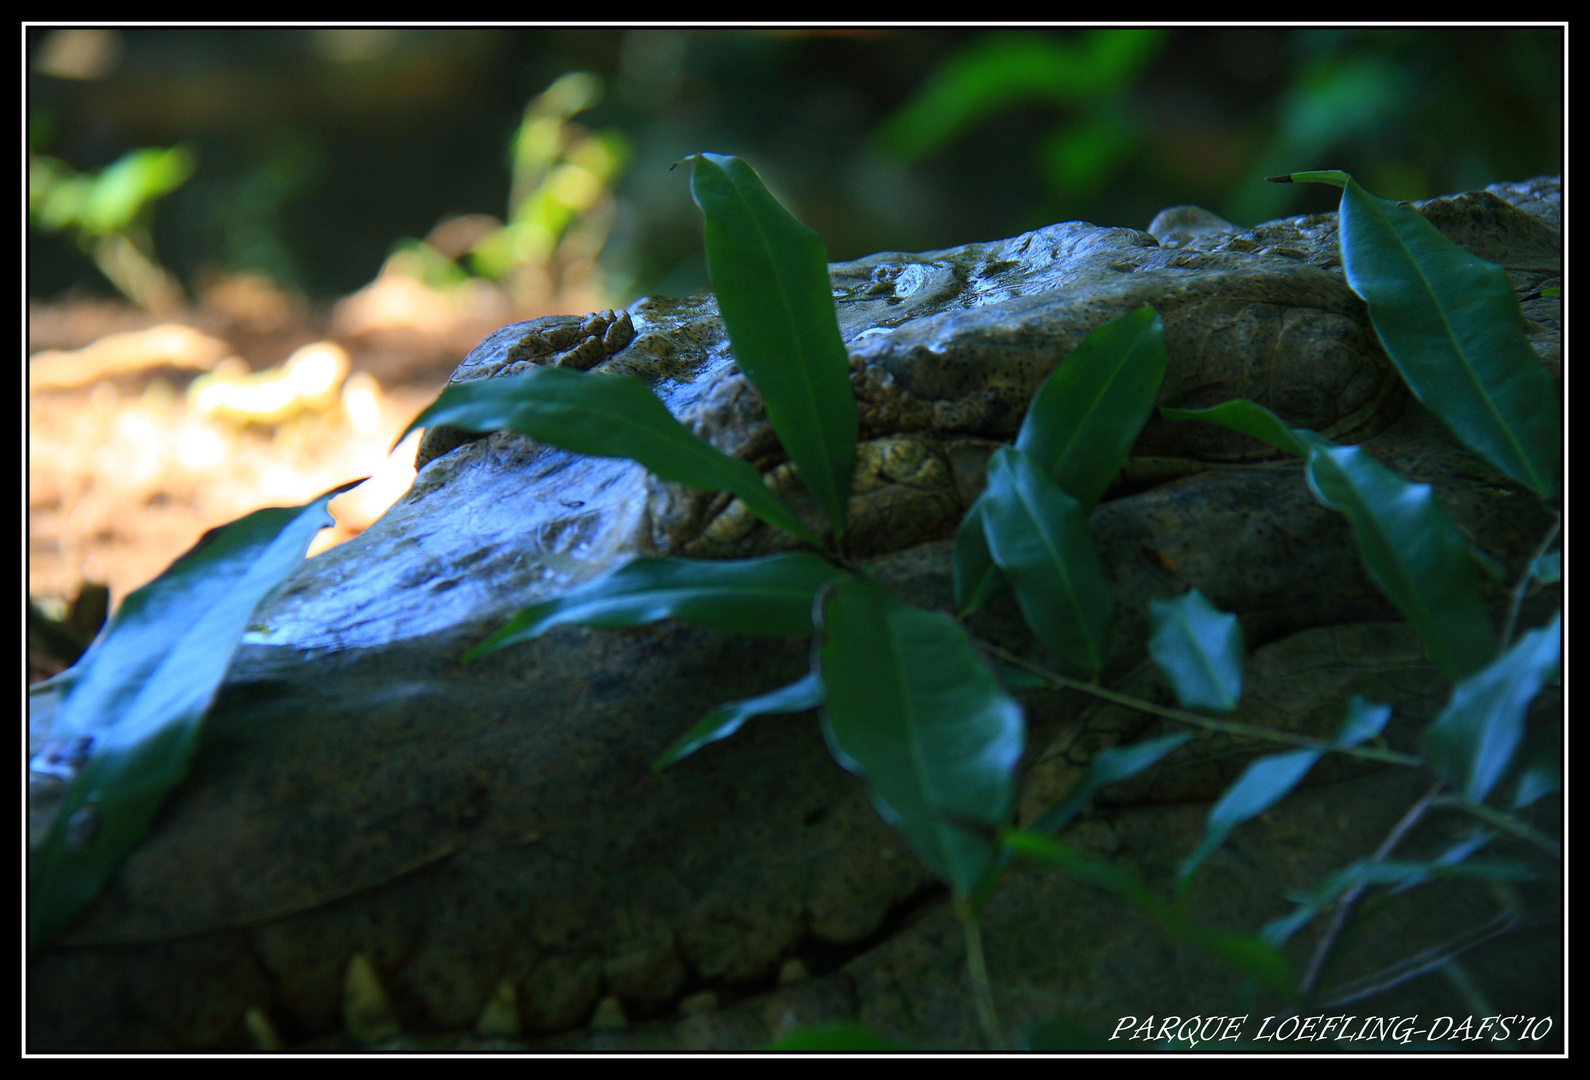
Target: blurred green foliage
108,214
320,147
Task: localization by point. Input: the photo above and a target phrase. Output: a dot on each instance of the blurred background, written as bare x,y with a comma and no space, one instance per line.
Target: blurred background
254,254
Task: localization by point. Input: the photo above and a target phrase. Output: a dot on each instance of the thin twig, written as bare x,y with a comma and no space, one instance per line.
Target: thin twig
1390,757
1523,584
993,1034
1506,823
1350,897
1423,963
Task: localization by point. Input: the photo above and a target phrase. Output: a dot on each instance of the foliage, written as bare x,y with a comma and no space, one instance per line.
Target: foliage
128,714
907,702
911,702
108,214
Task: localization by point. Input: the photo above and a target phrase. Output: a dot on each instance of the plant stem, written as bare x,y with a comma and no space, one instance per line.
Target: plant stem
993,1034
1390,757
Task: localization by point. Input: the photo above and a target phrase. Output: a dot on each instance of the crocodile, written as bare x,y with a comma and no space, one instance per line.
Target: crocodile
372,838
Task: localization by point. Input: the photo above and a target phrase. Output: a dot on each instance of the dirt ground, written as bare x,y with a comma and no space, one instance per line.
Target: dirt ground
144,431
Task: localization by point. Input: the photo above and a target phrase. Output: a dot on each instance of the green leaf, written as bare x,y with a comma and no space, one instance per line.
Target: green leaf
1412,551
1407,543
1200,649
836,1038
1269,779
1086,416
1547,569
1265,782
1472,742
913,708
977,579
998,71
1451,323
1111,766
800,695
1399,873
1248,417
770,274
605,416
138,695
771,596
1038,536
1078,430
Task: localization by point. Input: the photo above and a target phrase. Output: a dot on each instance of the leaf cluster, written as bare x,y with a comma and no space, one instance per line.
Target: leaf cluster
910,701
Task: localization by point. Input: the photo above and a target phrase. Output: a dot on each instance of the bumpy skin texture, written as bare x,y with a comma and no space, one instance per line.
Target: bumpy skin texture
559,341
470,830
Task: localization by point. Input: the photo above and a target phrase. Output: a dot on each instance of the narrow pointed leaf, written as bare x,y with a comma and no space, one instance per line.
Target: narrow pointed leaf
139,695
805,693
1078,430
1451,323
1472,742
770,596
1084,419
1200,650
913,708
1038,536
1412,551
977,579
606,416
1394,872
1269,779
770,275
1265,782
1109,767
1365,720
1407,543
1248,417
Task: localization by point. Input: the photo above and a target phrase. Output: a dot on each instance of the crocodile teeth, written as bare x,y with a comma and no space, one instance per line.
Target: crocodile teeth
619,334
366,1012
266,1041
587,354
500,1017
609,1015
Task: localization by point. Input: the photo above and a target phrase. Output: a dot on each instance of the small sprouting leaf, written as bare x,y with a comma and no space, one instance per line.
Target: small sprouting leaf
1038,536
1200,650
139,694
605,416
1451,323
800,695
1109,767
1265,782
1547,569
770,275
1078,431
1269,779
1365,720
1084,419
770,596
1472,742
913,708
